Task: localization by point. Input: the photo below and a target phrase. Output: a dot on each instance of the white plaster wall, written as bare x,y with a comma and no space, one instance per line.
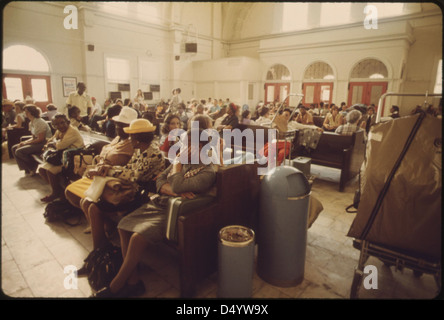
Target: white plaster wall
412,45
40,26
226,78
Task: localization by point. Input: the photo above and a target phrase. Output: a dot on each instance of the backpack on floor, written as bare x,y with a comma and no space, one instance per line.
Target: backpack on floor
62,210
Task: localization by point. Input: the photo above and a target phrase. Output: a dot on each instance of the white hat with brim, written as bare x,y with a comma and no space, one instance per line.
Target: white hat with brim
139,126
126,115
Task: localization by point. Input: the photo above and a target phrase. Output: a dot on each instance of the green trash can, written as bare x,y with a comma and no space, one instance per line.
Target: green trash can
235,262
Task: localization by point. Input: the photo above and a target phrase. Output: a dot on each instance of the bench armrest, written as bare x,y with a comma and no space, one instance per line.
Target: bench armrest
178,207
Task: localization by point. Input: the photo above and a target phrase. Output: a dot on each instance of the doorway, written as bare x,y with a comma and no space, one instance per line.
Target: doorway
315,92
20,86
276,92
366,93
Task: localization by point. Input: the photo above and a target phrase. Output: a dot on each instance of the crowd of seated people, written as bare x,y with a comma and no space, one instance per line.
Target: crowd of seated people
138,156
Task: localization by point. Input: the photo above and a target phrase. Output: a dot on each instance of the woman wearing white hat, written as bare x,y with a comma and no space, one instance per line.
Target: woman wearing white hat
117,153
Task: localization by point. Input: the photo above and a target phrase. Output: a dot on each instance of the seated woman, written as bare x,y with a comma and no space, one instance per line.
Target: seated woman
20,127
333,120
116,153
145,165
20,117
351,126
108,125
246,117
76,120
231,121
24,150
172,122
264,116
50,113
147,224
65,137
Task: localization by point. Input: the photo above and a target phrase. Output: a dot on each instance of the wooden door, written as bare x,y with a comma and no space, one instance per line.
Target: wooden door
19,86
366,93
315,92
276,92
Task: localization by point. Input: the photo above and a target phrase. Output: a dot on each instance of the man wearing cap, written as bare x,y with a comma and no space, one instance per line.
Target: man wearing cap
80,99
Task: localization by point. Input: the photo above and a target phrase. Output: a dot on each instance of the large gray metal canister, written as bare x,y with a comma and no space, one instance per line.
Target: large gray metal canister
282,226
235,262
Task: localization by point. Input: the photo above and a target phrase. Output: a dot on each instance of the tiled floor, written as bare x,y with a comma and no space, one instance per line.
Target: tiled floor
35,253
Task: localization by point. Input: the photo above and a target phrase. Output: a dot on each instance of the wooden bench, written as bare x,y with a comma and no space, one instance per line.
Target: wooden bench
341,152
318,121
236,203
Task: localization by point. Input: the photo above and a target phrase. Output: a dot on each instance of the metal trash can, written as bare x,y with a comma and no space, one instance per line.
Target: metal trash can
282,226
235,262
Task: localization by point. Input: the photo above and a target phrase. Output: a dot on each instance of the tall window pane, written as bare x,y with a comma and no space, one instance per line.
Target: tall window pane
14,89
39,89
118,70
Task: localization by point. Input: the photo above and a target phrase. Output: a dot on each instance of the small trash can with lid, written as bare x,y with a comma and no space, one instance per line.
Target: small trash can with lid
235,262
282,226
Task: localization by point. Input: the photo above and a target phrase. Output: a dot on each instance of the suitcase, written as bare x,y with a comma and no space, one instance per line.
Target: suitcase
179,206
303,164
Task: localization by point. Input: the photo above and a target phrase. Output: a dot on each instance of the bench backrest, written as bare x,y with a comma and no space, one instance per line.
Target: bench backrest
318,121
335,142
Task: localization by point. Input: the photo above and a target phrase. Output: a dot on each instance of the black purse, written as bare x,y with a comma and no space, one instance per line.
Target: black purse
53,156
102,266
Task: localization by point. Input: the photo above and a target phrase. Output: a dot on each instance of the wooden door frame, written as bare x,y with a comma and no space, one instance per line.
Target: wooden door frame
277,85
27,87
317,92
365,99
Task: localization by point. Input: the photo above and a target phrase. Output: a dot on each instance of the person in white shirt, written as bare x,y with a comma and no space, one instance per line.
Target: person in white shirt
81,100
96,108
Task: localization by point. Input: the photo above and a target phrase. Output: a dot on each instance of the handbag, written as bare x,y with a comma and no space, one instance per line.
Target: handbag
76,161
118,192
102,265
53,156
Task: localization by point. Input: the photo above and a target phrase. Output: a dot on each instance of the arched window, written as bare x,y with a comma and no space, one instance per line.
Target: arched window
278,72
319,70
318,85
368,82
24,58
25,75
369,68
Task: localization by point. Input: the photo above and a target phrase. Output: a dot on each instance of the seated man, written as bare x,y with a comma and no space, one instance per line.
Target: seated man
304,117
351,126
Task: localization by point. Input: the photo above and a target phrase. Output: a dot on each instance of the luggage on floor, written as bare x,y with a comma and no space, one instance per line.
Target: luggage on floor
400,201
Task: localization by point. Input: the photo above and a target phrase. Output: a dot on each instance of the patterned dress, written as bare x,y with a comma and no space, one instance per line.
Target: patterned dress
143,167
